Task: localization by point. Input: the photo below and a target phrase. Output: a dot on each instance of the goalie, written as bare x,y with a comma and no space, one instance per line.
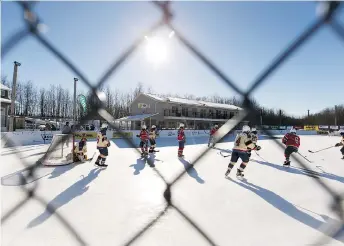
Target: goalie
80,150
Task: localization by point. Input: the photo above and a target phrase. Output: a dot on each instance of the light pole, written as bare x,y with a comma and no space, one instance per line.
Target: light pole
335,115
13,95
74,106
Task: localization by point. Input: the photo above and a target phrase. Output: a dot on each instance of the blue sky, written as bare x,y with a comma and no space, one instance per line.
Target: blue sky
241,38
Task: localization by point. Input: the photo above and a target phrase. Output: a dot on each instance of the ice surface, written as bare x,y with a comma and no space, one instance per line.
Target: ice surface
276,206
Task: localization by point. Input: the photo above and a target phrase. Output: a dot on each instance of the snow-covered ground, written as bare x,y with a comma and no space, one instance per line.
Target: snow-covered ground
275,206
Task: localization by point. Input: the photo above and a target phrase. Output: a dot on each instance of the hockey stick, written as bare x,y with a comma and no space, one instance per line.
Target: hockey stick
320,150
224,156
259,156
304,157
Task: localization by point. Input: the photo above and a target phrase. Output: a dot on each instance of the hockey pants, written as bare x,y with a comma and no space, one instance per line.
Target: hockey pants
181,148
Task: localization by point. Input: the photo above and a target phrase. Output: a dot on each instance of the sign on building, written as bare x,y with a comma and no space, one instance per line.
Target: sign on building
311,128
334,127
323,127
143,105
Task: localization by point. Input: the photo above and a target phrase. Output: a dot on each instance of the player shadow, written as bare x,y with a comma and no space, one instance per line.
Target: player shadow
300,171
139,166
72,192
288,208
59,170
191,171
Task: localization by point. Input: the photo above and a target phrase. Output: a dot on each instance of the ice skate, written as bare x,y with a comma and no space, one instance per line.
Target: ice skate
240,174
228,172
286,163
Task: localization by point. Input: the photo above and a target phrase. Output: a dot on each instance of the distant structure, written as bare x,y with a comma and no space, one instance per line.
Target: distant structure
168,112
5,107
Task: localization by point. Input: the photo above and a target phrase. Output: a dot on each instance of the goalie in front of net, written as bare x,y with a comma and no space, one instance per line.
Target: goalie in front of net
102,145
80,150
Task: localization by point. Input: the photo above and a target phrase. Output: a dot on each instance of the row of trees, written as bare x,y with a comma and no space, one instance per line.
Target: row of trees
57,102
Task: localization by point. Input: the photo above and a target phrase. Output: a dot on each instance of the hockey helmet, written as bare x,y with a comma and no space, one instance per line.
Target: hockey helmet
292,130
246,128
216,126
153,127
143,127
181,125
341,132
254,130
104,125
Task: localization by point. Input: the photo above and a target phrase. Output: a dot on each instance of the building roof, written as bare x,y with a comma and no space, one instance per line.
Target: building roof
193,102
138,117
4,87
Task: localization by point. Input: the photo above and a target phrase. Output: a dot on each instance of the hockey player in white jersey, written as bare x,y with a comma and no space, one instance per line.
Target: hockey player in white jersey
102,145
254,137
243,142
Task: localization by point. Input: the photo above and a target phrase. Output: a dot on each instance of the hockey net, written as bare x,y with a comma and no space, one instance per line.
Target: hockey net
60,151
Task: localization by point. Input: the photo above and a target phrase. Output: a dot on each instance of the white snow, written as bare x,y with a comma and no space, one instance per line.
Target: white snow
276,206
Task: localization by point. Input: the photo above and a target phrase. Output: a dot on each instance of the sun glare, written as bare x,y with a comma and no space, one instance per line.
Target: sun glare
156,50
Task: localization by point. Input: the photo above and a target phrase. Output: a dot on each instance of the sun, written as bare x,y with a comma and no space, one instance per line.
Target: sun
156,50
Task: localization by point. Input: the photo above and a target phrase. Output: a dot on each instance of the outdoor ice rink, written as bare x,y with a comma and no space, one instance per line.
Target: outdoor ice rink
275,206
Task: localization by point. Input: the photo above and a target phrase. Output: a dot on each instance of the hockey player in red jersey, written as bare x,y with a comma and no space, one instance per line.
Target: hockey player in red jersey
292,143
144,137
181,140
341,143
211,136
242,143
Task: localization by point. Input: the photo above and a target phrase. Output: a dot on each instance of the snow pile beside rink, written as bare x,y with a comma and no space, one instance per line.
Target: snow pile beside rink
275,206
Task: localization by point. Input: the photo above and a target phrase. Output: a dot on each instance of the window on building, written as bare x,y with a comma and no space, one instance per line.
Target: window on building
194,112
203,113
231,115
185,112
225,114
3,93
174,109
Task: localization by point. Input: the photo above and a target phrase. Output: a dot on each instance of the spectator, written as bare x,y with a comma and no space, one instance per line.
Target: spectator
66,129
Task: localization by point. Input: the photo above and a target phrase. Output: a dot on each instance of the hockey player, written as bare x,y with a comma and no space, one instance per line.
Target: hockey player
341,143
242,143
80,150
152,137
181,140
144,137
254,137
292,143
211,135
102,145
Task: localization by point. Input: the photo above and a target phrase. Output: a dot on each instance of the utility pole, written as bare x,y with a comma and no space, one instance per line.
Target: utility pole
13,95
261,117
74,106
335,115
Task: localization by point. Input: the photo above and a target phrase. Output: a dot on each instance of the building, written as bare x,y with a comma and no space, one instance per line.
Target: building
169,112
5,107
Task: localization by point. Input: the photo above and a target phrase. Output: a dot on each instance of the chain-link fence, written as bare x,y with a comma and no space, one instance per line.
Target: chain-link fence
328,18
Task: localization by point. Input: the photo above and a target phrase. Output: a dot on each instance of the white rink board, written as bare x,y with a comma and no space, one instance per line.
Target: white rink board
277,207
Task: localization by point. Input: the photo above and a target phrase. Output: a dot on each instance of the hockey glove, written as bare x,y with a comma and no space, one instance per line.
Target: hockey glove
338,144
138,136
258,148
